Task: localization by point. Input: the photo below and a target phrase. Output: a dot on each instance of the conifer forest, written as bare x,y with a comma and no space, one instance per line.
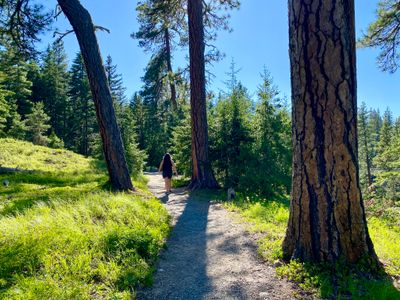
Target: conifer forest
312,173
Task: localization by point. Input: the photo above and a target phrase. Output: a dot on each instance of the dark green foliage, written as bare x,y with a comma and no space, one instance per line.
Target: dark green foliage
4,107
22,21
273,146
16,81
137,108
16,126
384,33
181,144
82,133
385,137
115,82
382,195
37,125
135,157
365,146
230,138
51,87
155,122
251,148
55,141
126,120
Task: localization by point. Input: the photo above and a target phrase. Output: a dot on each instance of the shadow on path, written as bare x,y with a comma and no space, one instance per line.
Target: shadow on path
208,256
181,272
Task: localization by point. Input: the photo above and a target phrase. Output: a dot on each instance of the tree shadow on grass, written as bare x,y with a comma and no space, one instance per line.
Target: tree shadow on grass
343,281
26,190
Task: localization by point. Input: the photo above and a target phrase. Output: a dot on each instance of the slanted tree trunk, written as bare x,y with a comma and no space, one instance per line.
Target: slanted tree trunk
327,218
113,148
202,175
169,67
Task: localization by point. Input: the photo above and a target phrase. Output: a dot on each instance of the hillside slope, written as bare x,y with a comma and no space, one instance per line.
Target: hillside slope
64,236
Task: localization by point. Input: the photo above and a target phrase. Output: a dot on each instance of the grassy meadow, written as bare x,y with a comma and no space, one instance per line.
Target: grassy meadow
63,235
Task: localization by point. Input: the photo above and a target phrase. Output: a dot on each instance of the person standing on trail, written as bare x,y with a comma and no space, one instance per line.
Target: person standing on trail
167,166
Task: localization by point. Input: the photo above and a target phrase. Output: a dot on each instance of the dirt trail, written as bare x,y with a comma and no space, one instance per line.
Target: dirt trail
209,256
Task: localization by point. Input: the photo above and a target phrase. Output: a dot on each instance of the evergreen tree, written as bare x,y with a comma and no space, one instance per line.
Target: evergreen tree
374,128
385,140
181,143
364,149
163,27
160,23
272,149
16,126
37,125
113,149
83,131
22,21
135,157
232,142
53,87
4,107
55,141
385,34
397,127
202,174
16,69
115,82
137,108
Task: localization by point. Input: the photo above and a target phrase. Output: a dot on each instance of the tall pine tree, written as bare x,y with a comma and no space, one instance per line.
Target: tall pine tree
82,135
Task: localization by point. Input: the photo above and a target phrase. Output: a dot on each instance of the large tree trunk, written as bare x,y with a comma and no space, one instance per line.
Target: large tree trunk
202,175
113,148
169,67
327,218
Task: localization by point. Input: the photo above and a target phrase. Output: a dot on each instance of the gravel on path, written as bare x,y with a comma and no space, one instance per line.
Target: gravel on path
208,255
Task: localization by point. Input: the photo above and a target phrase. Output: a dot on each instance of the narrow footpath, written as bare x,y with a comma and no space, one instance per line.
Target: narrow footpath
208,255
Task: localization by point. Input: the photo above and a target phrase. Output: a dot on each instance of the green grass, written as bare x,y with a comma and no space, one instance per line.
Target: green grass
180,181
268,219
63,236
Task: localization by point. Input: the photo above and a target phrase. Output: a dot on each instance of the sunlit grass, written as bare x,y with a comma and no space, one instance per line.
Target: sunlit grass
268,219
63,236
386,239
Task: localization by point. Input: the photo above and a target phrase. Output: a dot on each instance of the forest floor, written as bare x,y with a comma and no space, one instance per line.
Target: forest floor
209,255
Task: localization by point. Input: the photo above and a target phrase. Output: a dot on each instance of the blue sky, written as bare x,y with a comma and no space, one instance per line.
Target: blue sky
259,38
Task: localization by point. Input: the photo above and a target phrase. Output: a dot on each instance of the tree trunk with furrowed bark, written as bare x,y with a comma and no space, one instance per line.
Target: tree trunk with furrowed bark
327,218
113,148
202,175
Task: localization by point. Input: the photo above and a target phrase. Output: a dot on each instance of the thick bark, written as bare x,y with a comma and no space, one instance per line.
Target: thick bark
113,148
169,67
202,175
327,219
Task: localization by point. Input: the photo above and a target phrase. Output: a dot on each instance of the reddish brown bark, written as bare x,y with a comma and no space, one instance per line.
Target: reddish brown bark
202,175
327,219
113,148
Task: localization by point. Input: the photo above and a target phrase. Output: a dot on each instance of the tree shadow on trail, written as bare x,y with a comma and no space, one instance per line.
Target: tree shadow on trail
181,271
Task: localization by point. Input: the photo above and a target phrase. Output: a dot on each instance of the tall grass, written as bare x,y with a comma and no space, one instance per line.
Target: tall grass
63,236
